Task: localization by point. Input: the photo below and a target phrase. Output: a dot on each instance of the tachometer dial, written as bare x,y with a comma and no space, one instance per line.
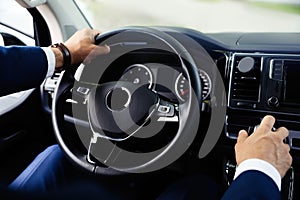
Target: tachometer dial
182,86
138,74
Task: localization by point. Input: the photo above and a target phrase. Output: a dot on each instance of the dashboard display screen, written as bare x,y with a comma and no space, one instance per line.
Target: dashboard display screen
292,82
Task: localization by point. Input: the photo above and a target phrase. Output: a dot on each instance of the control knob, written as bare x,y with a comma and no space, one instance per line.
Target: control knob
273,102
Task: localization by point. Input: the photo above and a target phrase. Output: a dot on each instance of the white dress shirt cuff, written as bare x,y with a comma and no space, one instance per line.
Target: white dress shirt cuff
262,166
51,61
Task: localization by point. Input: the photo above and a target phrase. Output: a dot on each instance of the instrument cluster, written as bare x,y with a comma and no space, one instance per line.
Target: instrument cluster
150,75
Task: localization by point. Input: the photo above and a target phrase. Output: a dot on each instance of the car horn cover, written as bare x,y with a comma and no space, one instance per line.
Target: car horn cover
118,109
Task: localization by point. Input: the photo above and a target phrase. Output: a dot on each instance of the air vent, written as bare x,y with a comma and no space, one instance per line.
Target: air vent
50,83
245,82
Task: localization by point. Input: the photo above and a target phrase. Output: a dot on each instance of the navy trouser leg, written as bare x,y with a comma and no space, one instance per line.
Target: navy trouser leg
52,176
44,173
51,171
195,187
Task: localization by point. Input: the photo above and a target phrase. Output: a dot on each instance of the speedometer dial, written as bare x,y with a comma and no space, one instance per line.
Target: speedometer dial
138,74
182,86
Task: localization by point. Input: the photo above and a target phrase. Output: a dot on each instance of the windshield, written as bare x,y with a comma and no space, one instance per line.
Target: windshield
202,15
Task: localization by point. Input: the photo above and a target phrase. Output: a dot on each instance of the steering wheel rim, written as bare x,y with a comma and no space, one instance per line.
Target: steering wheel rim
65,84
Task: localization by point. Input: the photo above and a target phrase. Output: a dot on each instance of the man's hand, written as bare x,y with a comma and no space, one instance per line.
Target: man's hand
266,145
82,47
82,43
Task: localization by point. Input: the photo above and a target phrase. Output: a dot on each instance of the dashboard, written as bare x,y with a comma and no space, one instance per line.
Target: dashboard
259,71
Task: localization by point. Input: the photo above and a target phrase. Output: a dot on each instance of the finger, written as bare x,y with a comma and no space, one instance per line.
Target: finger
267,123
287,147
95,34
290,159
243,135
282,132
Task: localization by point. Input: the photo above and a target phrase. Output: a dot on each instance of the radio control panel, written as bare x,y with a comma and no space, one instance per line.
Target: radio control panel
262,84
266,82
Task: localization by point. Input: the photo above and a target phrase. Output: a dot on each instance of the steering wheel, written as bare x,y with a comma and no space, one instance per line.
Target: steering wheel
108,115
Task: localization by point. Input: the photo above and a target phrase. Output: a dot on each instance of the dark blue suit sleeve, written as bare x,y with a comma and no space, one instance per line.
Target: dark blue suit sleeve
252,185
21,68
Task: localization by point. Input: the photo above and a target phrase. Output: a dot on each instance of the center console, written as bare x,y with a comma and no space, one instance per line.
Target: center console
263,84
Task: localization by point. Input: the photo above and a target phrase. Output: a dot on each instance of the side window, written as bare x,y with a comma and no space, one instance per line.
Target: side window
17,21
16,28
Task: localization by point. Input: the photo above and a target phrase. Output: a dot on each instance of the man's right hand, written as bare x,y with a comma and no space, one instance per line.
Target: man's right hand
266,145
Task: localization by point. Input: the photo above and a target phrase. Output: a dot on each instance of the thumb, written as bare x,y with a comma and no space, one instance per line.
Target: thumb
243,135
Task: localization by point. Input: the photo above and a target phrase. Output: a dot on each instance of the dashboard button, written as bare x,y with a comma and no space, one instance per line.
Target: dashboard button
245,105
273,102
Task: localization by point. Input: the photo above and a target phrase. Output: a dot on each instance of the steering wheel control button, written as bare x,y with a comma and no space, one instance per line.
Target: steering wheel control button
246,64
118,99
164,109
83,90
273,102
